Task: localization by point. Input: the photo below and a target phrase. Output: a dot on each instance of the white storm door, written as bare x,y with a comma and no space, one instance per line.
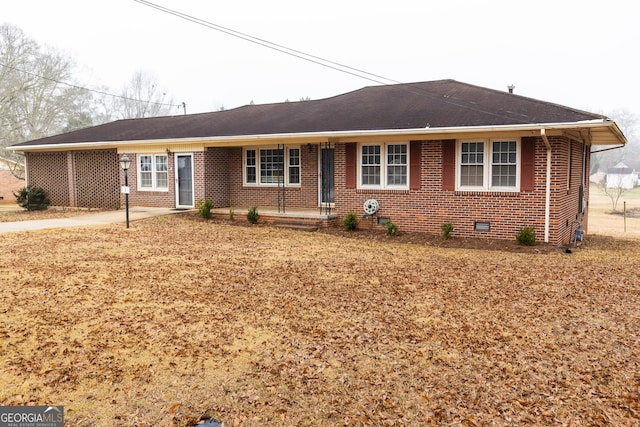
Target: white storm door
184,180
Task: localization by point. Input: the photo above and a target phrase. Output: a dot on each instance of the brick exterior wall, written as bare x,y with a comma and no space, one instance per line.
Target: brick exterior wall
217,176
148,198
96,178
199,181
567,178
426,209
305,196
76,178
166,198
50,171
93,178
8,185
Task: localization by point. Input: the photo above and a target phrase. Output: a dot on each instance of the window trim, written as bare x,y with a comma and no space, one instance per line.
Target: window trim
271,173
483,164
384,165
258,166
246,166
290,167
488,164
154,172
380,166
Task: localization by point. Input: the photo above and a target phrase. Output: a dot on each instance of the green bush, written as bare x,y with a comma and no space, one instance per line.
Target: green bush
446,228
32,198
252,215
350,222
526,236
392,229
204,207
231,213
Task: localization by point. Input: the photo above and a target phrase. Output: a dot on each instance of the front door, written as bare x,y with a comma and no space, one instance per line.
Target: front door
184,181
326,181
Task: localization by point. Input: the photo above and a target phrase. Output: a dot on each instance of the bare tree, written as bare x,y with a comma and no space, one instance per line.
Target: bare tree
37,97
629,124
105,107
143,98
613,191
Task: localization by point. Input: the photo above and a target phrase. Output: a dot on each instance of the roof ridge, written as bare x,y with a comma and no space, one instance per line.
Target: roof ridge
539,101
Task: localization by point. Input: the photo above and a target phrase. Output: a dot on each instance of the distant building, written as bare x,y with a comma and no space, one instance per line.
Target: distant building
598,177
621,176
8,182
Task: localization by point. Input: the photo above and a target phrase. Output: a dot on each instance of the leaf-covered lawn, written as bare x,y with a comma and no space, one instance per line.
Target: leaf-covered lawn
173,320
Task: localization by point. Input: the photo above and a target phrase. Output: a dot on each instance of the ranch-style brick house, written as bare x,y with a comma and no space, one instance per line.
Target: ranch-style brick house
487,161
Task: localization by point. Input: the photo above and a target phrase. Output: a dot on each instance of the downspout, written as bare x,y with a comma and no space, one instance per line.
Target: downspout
547,203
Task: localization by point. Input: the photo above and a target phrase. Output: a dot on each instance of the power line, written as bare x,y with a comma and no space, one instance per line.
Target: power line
320,61
89,90
274,46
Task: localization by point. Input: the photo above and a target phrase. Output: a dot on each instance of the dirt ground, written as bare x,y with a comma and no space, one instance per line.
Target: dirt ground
175,320
602,222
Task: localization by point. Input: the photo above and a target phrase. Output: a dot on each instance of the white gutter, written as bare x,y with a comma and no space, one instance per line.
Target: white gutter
313,137
547,201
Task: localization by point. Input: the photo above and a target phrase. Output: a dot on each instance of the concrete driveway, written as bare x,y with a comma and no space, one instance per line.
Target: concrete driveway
98,218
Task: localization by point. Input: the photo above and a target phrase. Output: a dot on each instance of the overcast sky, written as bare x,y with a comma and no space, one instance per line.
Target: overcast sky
581,53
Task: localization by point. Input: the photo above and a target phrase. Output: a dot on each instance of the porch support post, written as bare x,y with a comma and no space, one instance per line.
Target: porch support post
320,177
325,172
71,173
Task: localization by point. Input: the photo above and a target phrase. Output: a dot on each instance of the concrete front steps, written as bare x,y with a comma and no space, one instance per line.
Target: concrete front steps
297,224
294,219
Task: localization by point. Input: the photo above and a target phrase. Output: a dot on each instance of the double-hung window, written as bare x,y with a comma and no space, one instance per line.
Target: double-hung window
384,166
294,166
503,164
472,160
250,165
488,165
153,172
271,166
371,164
397,165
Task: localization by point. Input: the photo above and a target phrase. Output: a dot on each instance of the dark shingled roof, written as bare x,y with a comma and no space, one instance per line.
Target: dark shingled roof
442,103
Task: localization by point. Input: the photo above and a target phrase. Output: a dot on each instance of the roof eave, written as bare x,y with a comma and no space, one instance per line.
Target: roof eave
603,132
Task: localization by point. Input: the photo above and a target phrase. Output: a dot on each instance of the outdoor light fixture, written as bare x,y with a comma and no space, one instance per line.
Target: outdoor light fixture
125,162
